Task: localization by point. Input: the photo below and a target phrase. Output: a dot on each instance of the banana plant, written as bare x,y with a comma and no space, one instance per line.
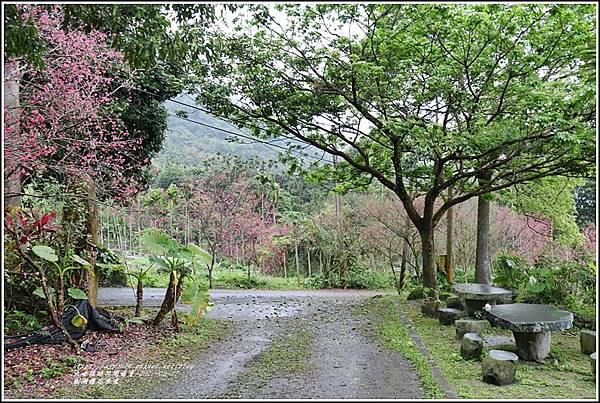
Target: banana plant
177,260
63,266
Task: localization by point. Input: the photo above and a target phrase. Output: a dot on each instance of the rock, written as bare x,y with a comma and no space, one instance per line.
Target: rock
532,346
499,343
430,307
499,367
587,340
593,362
584,322
468,326
455,302
447,316
471,346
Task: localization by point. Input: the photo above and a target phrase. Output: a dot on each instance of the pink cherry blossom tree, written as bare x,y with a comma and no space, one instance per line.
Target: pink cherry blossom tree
67,125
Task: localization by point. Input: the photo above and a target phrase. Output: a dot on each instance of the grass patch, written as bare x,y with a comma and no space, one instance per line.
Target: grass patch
394,335
566,373
285,356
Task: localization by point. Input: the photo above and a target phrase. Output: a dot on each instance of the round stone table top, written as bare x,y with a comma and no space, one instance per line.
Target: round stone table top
530,318
480,291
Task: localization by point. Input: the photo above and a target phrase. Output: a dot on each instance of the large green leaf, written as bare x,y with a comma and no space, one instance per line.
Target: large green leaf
160,261
45,252
40,292
80,260
198,252
76,293
158,242
79,321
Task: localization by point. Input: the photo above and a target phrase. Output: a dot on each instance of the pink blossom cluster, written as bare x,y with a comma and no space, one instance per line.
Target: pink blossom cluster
66,119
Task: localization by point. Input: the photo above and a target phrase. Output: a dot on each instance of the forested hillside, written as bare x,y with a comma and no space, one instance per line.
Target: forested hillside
190,140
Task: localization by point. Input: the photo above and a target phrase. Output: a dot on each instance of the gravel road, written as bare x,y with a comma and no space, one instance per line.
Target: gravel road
297,344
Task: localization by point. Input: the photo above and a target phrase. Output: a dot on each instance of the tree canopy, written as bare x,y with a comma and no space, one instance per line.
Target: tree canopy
422,98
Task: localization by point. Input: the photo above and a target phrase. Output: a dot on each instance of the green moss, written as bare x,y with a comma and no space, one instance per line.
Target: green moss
394,336
565,374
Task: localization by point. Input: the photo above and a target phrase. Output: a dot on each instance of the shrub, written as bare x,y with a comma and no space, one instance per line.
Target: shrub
416,293
567,284
510,271
17,322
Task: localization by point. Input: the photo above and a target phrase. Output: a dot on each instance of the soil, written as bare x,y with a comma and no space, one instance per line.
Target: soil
295,345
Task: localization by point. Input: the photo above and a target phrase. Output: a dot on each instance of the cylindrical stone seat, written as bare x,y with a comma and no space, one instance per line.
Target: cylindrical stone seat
429,307
464,326
447,316
495,342
471,346
455,302
587,340
499,367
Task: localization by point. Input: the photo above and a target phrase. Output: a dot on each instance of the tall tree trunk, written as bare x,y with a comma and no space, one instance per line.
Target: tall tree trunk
449,242
308,260
284,264
320,261
12,176
405,252
396,280
297,264
341,246
428,251
482,256
92,224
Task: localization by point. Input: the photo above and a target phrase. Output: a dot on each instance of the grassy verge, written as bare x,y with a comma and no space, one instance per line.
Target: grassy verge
394,335
566,373
286,355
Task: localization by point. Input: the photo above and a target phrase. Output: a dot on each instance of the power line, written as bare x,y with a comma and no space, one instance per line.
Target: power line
266,143
253,139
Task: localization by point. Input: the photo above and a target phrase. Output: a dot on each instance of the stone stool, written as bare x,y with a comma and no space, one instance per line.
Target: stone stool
471,346
499,367
593,362
464,326
429,307
587,340
494,342
447,316
455,302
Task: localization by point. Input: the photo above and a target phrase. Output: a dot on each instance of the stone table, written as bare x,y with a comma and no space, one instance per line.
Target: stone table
531,325
476,296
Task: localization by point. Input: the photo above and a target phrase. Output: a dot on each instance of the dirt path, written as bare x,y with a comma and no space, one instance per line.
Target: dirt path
295,344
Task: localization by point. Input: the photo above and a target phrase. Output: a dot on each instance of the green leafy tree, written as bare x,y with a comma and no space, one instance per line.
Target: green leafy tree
551,197
420,97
